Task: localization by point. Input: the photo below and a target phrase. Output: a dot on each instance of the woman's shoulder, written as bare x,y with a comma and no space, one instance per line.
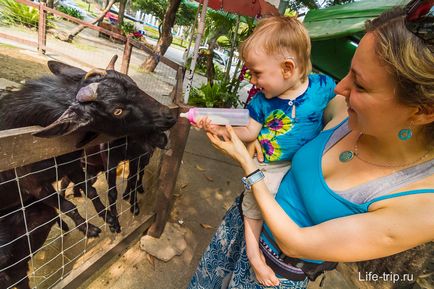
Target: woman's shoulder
423,185
419,193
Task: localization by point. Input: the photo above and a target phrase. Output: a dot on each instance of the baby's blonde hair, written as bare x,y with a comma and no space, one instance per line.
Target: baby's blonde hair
281,35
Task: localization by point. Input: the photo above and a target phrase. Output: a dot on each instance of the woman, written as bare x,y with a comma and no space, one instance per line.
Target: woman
360,191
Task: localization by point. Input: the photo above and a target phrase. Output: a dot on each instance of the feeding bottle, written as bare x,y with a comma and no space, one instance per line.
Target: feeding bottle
219,116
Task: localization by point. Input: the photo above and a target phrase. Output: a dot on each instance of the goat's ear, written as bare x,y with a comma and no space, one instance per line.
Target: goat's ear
67,123
87,138
66,71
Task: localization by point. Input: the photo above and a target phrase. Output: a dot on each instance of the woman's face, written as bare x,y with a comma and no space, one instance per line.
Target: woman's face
369,90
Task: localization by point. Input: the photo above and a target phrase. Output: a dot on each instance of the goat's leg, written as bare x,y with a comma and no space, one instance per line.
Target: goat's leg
131,189
127,192
64,183
113,193
69,209
144,161
78,177
17,273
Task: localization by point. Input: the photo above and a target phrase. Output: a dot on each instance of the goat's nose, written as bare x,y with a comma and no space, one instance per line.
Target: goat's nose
167,118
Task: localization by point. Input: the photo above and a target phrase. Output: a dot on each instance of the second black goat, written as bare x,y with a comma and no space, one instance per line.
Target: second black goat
137,149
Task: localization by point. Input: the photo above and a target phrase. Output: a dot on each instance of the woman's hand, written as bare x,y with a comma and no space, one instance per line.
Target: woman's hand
231,145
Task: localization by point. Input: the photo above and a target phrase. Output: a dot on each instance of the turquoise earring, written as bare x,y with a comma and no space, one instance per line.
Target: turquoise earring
405,134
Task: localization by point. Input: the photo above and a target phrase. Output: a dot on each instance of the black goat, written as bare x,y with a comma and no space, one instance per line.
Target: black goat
100,101
137,149
14,243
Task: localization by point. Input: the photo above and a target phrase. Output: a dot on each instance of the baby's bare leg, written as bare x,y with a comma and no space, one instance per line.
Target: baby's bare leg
264,274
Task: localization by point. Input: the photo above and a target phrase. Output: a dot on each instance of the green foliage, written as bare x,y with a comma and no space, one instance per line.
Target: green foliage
70,11
157,8
216,95
12,12
127,27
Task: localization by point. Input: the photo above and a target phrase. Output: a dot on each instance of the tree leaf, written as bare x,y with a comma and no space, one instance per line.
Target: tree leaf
206,226
199,168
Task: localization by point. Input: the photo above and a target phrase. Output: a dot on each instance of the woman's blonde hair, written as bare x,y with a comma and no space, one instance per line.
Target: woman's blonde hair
409,61
281,35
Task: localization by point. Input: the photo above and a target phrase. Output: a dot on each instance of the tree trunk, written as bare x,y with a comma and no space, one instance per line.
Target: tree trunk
210,70
122,4
165,38
234,41
74,32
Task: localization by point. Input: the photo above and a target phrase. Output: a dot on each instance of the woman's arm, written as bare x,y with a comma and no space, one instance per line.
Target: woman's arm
395,225
335,112
400,224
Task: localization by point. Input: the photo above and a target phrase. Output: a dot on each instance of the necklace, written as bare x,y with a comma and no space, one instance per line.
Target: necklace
349,155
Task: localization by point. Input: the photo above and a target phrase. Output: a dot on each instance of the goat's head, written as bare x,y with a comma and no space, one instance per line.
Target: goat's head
108,102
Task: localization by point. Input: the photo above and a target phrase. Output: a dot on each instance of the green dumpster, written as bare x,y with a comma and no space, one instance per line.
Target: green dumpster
336,31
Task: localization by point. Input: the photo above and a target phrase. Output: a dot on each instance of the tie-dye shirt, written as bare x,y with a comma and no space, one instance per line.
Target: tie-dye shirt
281,135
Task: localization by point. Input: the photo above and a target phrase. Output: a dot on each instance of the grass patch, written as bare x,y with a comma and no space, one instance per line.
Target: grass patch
7,45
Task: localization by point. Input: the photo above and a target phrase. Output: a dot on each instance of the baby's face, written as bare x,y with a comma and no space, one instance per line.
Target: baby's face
267,72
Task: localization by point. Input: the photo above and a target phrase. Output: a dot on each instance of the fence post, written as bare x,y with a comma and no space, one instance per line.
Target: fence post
42,29
127,56
170,163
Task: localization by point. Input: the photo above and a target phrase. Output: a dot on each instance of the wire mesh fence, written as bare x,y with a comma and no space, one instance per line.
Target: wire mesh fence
35,236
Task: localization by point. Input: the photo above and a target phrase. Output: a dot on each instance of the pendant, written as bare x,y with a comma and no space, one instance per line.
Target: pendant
346,156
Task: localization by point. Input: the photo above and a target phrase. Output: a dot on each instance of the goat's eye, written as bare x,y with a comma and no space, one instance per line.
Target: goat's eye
118,112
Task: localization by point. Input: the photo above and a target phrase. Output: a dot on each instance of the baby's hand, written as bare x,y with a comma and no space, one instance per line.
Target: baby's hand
255,150
205,124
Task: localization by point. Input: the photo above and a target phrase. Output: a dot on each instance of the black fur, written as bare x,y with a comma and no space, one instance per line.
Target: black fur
51,102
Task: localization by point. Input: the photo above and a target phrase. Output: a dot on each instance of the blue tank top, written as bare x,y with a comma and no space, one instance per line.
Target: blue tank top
305,196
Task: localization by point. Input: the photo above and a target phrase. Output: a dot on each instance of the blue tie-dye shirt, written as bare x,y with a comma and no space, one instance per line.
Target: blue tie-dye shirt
281,135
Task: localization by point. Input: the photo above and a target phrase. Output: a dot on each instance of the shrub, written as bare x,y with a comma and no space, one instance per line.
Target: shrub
16,13
216,95
70,11
127,27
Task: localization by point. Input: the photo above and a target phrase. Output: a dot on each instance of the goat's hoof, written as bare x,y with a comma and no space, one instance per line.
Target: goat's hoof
140,189
115,228
110,219
92,230
135,210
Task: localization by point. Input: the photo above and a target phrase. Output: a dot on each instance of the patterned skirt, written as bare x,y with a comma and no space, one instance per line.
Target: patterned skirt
224,265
